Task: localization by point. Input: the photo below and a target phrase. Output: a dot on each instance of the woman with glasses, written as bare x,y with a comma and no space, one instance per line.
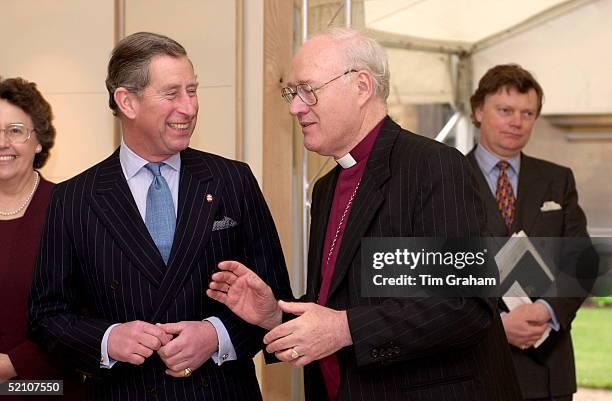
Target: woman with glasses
26,136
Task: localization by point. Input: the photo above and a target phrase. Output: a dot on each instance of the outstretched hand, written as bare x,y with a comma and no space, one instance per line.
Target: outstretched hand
245,294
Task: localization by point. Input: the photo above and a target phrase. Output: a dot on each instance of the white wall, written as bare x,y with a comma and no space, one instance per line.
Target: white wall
252,79
64,46
207,30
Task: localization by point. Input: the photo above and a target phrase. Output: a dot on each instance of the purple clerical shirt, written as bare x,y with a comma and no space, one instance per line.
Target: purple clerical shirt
347,181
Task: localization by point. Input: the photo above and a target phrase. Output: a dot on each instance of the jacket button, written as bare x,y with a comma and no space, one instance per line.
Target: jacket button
374,353
115,284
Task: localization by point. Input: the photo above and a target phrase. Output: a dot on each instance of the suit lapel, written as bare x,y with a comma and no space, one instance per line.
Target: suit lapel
532,189
368,200
325,192
114,204
195,219
495,222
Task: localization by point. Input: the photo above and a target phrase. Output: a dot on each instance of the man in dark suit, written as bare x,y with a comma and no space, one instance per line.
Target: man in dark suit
388,183
130,244
539,198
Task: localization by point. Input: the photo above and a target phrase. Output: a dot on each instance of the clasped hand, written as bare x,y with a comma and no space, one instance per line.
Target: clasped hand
316,333
182,345
526,324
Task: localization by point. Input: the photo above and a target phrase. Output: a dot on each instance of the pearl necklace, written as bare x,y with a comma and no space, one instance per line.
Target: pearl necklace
28,199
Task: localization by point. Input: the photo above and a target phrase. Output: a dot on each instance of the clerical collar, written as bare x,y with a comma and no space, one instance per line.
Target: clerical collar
362,150
346,161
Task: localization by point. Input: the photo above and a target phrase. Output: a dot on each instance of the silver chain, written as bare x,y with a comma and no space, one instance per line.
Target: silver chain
346,209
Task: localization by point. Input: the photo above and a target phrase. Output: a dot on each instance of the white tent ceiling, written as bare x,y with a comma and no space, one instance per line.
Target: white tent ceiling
565,43
466,21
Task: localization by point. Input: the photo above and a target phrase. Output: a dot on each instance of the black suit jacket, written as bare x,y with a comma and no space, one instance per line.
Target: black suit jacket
409,348
550,372
98,265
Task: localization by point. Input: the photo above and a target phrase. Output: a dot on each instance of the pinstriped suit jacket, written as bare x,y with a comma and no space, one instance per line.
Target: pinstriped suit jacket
409,348
98,265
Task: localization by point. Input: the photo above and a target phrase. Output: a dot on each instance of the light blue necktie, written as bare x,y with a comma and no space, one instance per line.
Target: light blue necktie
160,218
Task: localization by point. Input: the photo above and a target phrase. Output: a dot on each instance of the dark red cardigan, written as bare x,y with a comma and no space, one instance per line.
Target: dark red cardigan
17,260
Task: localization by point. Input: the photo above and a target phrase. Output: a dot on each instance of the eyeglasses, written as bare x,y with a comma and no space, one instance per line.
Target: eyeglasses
17,132
306,92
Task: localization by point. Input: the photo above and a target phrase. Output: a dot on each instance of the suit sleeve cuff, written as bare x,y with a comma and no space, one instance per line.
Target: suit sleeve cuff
106,362
226,351
553,322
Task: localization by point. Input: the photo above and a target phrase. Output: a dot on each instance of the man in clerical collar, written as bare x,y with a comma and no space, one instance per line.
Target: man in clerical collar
389,183
522,193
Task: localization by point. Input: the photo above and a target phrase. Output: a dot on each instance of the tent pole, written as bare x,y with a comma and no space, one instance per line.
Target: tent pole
305,185
348,16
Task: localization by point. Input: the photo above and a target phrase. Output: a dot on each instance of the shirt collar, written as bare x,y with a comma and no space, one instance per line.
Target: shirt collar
362,150
131,163
488,161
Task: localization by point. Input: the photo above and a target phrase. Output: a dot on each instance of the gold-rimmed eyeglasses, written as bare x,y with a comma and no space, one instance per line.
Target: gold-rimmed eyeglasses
17,132
306,92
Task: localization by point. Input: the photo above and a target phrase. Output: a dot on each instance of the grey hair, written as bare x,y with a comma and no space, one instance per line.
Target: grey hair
363,52
130,59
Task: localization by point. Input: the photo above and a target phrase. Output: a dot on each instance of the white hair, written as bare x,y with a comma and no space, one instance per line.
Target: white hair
362,52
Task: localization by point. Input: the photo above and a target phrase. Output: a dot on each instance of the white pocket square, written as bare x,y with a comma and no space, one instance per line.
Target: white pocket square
227,222
549,206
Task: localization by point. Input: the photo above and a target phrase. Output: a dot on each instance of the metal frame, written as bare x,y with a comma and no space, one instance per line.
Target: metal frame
118,34
306,182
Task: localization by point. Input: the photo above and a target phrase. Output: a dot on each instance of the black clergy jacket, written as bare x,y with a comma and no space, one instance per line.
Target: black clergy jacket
409,348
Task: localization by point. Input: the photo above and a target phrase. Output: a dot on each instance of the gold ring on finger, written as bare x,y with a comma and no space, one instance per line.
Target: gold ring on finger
294,354
187,372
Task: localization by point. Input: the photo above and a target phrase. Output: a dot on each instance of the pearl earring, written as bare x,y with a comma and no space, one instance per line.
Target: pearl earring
38,149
